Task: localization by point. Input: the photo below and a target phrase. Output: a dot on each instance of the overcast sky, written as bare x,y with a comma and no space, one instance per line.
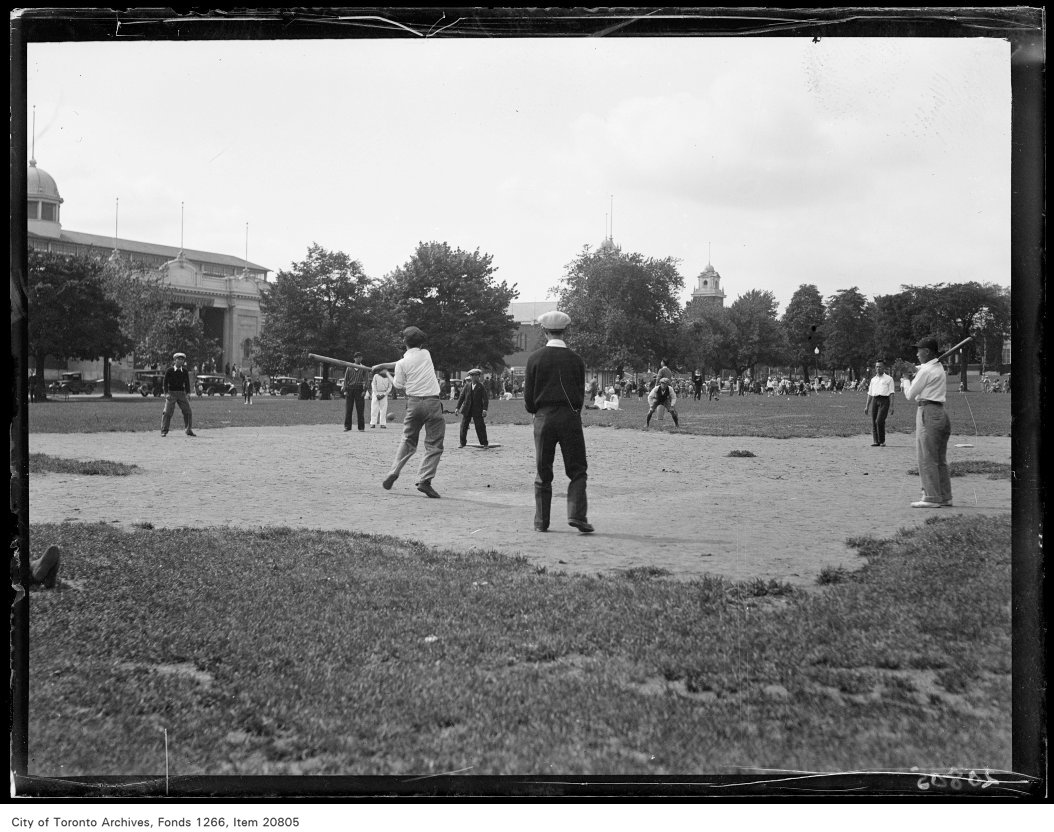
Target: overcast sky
847,162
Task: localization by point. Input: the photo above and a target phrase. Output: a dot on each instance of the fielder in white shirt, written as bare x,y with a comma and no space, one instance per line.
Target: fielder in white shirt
879,404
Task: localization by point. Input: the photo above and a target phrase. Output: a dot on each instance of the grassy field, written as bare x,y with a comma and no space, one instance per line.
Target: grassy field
278,651
782,417
373,656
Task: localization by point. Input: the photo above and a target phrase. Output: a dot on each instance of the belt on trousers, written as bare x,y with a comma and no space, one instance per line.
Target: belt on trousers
927,401
420,398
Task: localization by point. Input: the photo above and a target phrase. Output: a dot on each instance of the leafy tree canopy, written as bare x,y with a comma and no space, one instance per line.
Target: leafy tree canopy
625,308
709,341
453,297
180,330
849,332
70,313
803,323
144,300
321,304
759,338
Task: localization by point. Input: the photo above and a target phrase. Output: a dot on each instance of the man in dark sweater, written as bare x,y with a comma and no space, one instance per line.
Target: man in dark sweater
176,387
472,404
553,388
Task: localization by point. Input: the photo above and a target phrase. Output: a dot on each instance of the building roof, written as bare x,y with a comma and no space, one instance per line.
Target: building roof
168,252
526,312
40,183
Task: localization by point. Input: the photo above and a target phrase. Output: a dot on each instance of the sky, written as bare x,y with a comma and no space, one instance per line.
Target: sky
847,162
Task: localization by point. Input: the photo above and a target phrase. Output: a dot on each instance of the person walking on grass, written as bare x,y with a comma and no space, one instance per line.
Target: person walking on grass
472,405
355,380
380,389
929,387
247,390
176,387
879,404
416,374
553,391
662,396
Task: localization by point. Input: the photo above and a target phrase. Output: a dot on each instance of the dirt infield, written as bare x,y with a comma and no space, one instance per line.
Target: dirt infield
659,499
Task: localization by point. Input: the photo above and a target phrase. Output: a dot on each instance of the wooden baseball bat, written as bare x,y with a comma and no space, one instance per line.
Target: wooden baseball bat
944,355
326,360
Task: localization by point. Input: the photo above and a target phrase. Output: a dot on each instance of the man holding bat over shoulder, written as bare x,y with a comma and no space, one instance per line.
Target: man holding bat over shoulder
415,373
929,387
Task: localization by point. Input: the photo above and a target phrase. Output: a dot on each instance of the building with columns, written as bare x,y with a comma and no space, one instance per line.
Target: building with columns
225,289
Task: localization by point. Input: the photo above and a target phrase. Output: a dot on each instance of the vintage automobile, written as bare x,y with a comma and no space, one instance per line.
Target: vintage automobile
73,383
147,383
281,385
209,383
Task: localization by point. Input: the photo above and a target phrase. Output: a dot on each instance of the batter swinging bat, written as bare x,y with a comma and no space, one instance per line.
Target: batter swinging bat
338,362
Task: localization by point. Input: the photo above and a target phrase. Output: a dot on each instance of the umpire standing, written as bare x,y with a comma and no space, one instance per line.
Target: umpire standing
553,388
355,380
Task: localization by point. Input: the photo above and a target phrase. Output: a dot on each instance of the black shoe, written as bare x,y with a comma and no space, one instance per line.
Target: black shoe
538,528
164,433
581,525
191,433
389,481
875,445
426,488
461,445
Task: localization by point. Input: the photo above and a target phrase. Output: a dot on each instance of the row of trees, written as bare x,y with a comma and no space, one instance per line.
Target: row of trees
627,315
86,309
625,307
326,304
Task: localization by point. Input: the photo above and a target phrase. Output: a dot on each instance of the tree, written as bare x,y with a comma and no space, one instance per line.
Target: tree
453,296
849,331
758,334
322,305
179,330
709,341
896,326
144,301
625,308
70,313
803,325
954,311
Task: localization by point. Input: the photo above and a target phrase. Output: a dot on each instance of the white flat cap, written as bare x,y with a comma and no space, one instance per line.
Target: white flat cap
179,355
554,320
475,371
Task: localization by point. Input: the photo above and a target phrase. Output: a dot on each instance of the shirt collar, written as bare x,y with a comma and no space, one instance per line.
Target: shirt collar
555,342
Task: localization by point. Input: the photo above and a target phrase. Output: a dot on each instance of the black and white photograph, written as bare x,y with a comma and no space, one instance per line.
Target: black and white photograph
526,403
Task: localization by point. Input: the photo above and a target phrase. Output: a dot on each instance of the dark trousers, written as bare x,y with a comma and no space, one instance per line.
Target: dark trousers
353,402
481,427
879,411
561,426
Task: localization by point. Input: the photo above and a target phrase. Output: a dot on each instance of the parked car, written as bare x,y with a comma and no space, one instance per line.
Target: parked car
209,383
73,383
147,383
281,385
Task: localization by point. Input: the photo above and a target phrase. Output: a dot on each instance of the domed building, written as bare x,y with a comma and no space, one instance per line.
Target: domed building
225,289
707,294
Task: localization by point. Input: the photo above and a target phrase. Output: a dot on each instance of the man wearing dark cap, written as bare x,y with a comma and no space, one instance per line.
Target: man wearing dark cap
416,374
355,381
553,387
929,387
472,405
176,387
